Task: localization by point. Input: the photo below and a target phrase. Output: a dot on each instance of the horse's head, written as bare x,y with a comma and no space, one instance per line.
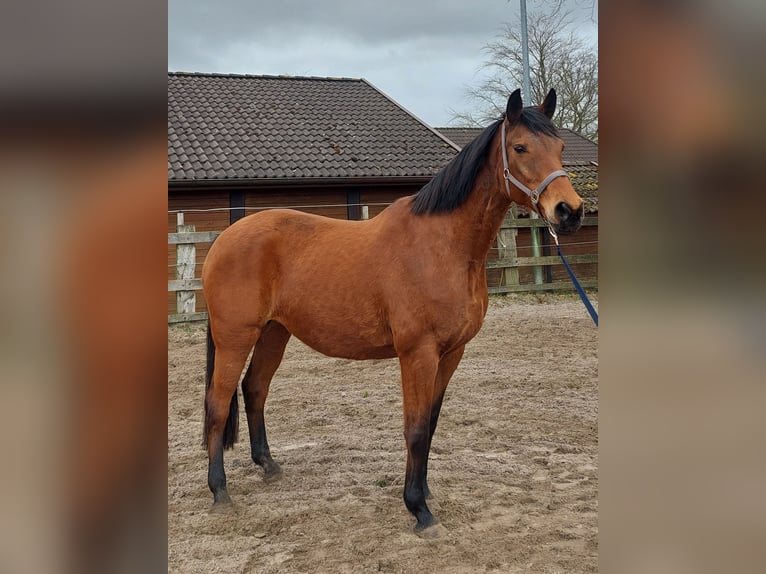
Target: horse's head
533,174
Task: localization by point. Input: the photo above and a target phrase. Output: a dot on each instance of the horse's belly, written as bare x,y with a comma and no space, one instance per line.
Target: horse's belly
343,339
349,349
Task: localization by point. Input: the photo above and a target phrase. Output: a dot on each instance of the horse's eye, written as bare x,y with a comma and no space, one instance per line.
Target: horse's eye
519,149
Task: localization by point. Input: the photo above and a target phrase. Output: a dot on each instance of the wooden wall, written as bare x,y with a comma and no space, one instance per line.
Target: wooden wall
378,200
328,202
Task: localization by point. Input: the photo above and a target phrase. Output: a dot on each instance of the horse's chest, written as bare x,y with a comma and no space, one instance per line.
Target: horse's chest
456,312
461,323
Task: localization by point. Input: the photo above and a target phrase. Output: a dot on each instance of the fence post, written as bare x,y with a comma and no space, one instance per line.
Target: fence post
537,270
365,213
186,301
506,240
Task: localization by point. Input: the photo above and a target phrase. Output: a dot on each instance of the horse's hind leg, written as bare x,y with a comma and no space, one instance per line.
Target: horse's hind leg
269,350
226,359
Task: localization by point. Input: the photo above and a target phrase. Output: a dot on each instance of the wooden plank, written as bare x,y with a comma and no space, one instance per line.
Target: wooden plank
506,242
192,237
546,260
187,317
179,201
186,253
525,223
555,286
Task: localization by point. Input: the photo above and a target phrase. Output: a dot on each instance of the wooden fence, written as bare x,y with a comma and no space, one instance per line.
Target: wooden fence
507,262
186,282
510,262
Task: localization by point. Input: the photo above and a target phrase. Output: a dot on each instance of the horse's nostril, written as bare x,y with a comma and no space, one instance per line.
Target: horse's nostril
563,211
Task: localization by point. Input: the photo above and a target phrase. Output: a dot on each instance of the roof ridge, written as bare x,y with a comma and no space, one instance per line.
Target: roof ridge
413,116
262,76
578,134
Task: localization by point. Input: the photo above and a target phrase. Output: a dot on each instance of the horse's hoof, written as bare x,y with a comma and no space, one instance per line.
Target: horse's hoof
272,474
221,497
222,507
432,532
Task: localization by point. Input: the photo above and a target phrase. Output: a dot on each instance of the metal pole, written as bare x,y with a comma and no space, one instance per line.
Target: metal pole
526,88
526,84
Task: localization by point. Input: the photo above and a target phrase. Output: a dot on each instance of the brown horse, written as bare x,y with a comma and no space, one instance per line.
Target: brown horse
409,283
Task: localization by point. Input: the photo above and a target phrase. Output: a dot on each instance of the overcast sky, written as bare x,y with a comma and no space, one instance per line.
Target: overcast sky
421,53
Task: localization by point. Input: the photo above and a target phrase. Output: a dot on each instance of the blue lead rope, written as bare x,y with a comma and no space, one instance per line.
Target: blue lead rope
583,296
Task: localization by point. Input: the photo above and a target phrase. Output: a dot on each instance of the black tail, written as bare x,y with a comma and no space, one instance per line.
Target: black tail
231,430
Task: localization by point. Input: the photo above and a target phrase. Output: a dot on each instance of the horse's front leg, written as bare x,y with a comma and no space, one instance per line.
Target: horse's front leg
419,368
447,366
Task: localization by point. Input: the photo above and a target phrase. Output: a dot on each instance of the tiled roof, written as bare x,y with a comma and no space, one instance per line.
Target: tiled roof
577,149
584,179
223,127
460,136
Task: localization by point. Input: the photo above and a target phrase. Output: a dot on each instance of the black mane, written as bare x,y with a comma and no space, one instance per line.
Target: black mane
449,188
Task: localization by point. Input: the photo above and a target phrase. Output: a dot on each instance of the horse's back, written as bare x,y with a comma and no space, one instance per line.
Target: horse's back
315,275
264,233
259,246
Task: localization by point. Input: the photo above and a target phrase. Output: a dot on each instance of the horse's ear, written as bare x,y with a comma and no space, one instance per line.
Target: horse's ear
513,109
549,104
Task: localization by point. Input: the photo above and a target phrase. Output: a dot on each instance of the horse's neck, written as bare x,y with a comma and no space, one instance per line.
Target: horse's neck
480,217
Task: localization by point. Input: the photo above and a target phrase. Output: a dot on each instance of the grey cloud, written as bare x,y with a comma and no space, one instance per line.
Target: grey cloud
420,52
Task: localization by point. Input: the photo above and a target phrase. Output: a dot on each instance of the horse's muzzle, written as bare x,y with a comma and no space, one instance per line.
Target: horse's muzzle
568,219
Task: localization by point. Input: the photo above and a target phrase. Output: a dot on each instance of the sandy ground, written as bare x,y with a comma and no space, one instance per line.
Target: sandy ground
513,466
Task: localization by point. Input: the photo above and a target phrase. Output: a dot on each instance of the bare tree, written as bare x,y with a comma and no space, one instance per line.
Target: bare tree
557,59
